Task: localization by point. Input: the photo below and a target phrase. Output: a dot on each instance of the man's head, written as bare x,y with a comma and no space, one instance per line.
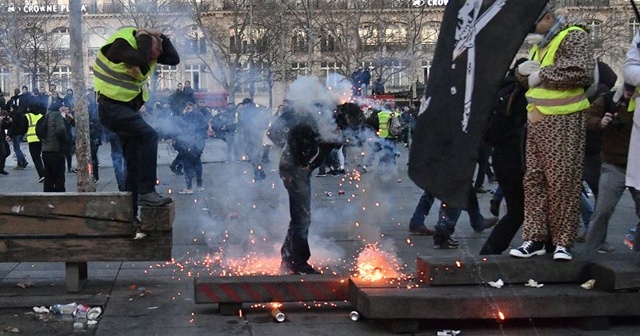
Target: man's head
187,84
25,89
548,18
180,87
156,47
52,88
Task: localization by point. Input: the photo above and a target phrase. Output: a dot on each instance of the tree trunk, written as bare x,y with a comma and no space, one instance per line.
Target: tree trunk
83,148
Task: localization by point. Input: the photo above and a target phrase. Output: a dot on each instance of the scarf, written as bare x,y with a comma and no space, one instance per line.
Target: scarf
560,22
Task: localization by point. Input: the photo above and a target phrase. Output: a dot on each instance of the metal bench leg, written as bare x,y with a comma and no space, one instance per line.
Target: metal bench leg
76,273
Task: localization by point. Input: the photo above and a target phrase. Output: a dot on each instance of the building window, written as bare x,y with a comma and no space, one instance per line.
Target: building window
299,42
328,43
167,77
5,81
399,75
634,27
195,73
298,69
368,37
328,68
595,33
61,77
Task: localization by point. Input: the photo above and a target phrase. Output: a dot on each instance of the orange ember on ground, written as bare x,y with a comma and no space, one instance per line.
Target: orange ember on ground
373,264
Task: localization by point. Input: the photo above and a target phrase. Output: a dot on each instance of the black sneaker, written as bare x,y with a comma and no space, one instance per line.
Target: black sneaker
562,253
4,172
529,249
305,269
448,245
153,199
321,174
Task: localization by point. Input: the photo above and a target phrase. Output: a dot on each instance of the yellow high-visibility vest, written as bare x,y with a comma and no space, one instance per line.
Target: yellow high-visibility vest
383,120
554,102
31,130
120,81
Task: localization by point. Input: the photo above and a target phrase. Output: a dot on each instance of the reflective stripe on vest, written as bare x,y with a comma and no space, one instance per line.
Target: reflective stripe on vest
554,102
120,81
31,131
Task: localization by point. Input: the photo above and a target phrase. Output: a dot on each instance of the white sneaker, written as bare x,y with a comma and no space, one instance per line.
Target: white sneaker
185,192
562,253
198,189
528,249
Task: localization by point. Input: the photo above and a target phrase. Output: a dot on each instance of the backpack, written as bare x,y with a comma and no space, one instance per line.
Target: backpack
393,125
41,127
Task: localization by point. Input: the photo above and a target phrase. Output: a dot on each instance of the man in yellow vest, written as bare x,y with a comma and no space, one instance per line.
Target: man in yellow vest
34,113
122,67
560,66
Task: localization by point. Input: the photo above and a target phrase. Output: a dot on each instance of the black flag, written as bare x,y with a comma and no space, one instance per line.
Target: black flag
477,43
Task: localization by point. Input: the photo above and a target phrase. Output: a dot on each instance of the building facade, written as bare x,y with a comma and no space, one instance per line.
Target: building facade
256,47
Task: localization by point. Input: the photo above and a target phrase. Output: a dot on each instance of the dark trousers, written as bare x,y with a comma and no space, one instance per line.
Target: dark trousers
192,164
3,154
421,211
35,149
95,163
16,140
483,166
448,218
53,171
139,145
509,174
295,249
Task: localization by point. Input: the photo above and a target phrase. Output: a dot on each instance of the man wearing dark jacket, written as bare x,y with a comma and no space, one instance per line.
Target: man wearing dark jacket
53,145
122,67
17,107
302,152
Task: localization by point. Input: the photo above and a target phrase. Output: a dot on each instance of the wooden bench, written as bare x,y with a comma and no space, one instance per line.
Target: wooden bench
76,228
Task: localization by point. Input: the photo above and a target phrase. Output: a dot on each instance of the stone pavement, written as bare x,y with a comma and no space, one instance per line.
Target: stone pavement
234,218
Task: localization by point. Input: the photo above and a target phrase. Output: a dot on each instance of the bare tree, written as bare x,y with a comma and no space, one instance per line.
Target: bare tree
228,56
29,43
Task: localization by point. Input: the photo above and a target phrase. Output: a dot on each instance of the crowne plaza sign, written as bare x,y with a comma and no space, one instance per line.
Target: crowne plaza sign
34,7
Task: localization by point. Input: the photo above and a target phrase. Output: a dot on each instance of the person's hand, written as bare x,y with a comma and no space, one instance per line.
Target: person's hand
534,79
528,67
604,122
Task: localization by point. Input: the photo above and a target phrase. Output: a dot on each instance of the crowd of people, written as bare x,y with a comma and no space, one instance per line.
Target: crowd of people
536,139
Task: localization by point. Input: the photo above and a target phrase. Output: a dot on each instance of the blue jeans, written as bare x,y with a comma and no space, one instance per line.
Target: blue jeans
586,209
295,249
448,218
421,211
117,158
17,140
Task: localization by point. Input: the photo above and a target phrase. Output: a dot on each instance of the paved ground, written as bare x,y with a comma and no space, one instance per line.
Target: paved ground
157,298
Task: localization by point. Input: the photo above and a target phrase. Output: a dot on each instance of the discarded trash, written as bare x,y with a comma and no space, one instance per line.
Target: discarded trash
153,308
24,284
589,284
340,192
94,313
139,235
91,324
328,193
277,315
81,311
14,330
533,283
67,309
496,284
354,316
41,310
448,332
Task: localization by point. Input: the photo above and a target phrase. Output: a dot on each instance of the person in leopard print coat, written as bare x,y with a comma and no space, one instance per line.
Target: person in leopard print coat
561,66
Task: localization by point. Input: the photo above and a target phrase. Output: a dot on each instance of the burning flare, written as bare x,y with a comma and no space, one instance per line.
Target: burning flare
374,265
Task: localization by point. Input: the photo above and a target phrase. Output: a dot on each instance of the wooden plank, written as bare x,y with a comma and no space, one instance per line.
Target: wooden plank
480,302
285,288
66,214
157,218
441,271
76,249
616,275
